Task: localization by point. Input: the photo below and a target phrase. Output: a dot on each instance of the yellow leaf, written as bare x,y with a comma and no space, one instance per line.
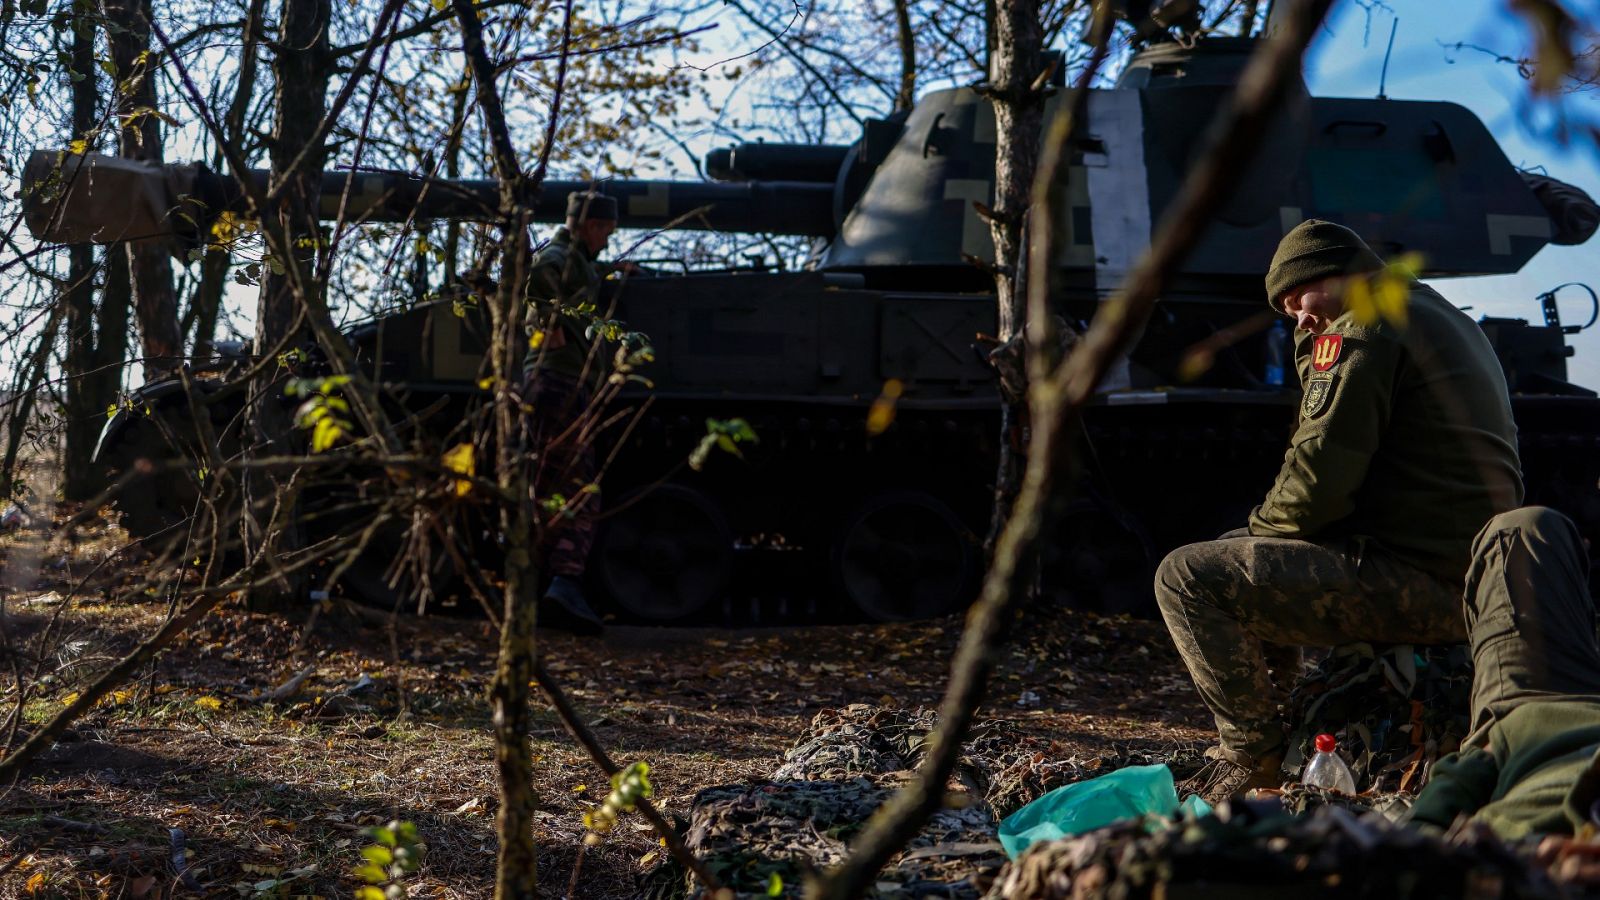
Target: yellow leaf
536,340
1196,362
78,147
486,383
460,459
881,415
208,703
580,789
70,699
438,5
35,881
325,434
1359,302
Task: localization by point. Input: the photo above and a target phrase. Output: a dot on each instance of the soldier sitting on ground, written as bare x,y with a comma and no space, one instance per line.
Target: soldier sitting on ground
561,376
1404,448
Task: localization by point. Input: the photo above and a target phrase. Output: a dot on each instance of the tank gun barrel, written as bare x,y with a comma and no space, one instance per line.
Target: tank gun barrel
777,162
102,199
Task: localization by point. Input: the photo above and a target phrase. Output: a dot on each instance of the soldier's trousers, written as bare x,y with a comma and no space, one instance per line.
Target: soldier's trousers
564,464
1529,615
1227,601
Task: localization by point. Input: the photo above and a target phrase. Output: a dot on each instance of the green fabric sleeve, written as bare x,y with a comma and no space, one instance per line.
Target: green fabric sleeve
1459,783
1332,447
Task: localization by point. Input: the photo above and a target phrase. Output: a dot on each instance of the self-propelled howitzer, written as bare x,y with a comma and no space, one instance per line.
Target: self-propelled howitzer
892,292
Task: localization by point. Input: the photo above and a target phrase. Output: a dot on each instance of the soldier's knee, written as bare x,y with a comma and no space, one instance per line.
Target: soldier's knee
1539,524
1175,578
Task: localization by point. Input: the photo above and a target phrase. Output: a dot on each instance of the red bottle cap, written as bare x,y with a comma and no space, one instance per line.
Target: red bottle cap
1326,743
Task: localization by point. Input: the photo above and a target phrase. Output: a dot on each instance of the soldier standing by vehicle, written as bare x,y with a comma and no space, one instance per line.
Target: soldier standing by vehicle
1404,448
560,378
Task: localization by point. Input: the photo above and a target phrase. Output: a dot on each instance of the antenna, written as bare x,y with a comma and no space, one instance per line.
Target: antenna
1383,79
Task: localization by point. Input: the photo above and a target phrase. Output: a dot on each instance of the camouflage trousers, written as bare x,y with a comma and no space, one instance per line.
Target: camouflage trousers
1530,616
1229,603
564,464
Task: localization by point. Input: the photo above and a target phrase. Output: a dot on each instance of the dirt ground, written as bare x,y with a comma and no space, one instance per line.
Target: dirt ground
190,767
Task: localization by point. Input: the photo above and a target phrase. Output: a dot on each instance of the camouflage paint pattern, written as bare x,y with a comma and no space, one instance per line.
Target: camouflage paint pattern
563,464
1227,601
561,277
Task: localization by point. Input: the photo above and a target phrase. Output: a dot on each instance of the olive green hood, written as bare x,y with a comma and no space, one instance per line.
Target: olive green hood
1314,250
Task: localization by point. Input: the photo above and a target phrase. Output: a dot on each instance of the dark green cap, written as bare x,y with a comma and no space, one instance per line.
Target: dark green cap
585,205
1314,250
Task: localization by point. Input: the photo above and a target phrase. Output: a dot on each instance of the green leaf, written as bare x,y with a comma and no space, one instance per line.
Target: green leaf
368,892
370,873
775,886
378,855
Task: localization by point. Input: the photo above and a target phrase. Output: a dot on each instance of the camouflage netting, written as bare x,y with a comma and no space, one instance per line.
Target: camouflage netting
843,768
1243,852
746,833
1000,764
1395,710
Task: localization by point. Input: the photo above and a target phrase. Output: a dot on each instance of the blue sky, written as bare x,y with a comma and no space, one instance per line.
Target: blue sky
1345,62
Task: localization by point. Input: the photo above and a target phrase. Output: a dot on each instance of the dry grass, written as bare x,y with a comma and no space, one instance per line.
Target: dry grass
271,797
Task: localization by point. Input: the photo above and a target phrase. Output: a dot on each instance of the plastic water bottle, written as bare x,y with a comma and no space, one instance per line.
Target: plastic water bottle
1278,349
1327,769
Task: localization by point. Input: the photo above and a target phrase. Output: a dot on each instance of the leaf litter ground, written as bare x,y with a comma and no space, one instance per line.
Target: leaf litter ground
197,765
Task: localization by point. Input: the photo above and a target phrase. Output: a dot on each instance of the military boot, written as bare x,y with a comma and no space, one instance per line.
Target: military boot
1227,774
565,609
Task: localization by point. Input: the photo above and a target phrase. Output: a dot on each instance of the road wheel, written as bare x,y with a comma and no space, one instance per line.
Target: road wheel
170,489
664,555
905,555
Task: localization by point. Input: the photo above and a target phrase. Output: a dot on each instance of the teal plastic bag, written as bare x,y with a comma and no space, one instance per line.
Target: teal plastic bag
1131,793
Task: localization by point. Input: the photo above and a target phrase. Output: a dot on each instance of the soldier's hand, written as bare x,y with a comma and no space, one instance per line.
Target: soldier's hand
1571,860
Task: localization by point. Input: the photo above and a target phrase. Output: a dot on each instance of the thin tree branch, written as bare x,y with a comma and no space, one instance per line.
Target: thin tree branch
420,27
591,745
609,48
799,58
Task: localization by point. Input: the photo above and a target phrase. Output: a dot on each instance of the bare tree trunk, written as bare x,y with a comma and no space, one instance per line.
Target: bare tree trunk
908,56
452,169
516,870
1017,48
301,71
155,299
97,340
